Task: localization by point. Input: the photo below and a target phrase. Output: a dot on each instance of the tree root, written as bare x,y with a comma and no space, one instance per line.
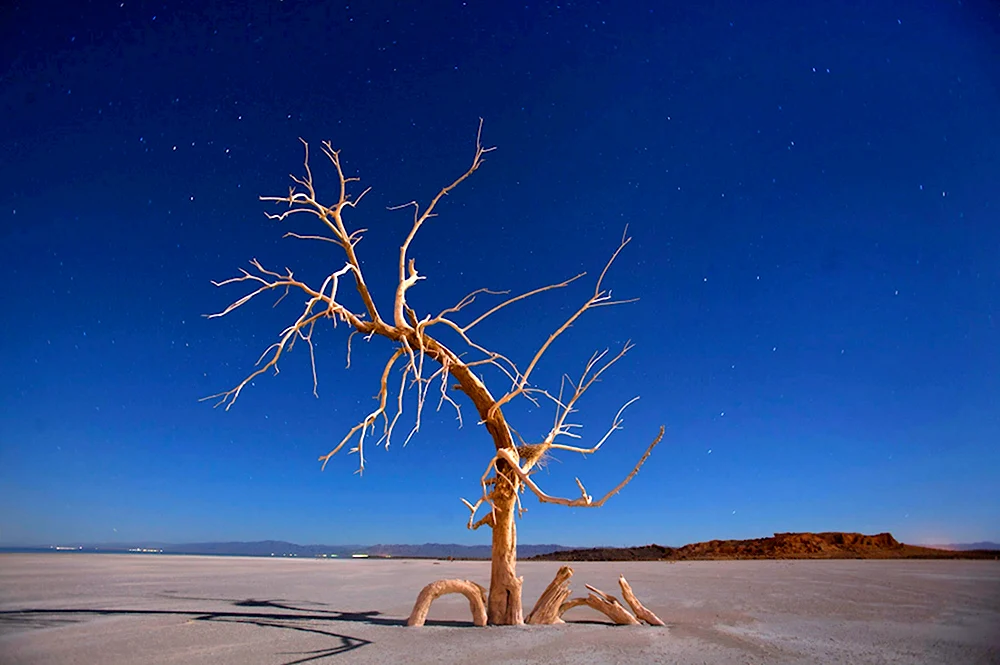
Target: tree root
552,604
549,608
474,592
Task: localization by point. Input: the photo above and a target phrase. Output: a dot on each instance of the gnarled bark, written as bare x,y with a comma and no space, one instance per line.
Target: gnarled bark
504,603
546,609
474,592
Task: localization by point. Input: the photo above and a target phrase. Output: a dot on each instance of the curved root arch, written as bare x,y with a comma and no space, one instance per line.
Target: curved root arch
474,592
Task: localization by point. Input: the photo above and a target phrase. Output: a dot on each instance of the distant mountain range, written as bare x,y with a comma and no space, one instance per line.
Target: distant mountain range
285,549
962,547
764,548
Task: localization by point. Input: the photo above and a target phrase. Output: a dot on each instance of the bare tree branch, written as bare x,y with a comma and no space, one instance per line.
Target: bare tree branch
369,421
288,336
600,297
330,216
469,326
585,500
408,280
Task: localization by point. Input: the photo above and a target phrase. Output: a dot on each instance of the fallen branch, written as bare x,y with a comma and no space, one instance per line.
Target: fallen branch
637,607
474,592
605,604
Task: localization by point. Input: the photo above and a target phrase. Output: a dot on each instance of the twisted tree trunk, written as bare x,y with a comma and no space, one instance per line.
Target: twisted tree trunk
504,602
503,607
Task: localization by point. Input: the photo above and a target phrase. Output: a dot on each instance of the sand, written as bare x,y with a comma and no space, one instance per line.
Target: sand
110,609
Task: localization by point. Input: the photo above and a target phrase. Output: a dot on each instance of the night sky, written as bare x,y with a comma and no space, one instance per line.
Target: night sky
813,192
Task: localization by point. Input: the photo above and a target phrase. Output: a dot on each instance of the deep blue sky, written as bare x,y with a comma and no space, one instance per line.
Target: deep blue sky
813,190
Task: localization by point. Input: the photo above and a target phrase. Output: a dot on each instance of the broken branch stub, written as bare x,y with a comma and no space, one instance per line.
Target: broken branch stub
546,609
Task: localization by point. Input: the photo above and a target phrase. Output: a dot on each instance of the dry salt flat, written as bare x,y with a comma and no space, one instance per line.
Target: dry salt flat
110,609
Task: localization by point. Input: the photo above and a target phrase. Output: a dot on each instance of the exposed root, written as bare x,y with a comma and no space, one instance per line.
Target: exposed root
546,610
474,592
549,608
637,607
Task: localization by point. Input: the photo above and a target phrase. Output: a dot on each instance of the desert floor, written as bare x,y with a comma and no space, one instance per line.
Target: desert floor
108,609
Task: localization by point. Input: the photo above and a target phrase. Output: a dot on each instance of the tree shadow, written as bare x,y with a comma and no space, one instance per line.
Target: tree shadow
53,617
588,622
372,617
287,615
346,642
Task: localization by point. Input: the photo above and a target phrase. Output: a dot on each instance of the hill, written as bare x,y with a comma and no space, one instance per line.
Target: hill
828,545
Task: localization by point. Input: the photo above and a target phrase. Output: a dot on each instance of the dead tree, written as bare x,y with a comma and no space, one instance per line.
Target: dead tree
427,366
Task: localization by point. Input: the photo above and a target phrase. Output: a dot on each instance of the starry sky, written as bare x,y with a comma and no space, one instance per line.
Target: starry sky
811,188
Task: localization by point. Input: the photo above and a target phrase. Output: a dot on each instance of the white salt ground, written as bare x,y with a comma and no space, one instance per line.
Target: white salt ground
123,609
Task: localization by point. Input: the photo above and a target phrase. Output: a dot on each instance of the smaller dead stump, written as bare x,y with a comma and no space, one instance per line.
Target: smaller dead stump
553,603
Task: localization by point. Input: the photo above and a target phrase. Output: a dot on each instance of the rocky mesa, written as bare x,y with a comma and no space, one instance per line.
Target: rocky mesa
827,545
